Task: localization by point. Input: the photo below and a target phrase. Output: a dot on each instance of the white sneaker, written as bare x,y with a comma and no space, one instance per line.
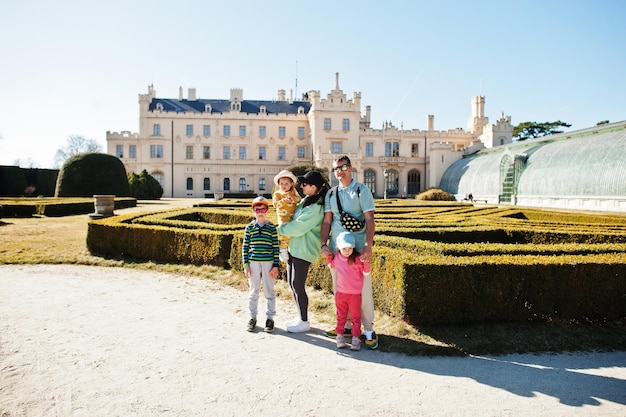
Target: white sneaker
293,321
301,326
356,343
283,255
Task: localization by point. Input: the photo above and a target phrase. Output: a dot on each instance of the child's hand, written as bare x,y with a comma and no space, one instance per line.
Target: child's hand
274,272
247,272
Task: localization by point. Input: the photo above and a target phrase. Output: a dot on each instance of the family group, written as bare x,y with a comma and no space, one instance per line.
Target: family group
336,223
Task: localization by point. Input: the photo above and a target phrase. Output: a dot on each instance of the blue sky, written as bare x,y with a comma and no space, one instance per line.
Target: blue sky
77,67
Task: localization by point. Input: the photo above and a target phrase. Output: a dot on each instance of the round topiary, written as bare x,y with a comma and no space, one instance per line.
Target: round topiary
435,194
86,174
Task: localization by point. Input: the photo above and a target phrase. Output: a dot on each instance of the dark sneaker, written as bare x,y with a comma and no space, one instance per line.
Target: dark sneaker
373,342
332,333
269,326
251,325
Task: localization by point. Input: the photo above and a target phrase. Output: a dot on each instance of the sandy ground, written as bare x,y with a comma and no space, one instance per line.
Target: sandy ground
91,341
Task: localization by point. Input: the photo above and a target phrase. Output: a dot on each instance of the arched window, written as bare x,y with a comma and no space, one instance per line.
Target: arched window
226,184
207,184
189,184
208,108
413,182
370,180
242,184
391,182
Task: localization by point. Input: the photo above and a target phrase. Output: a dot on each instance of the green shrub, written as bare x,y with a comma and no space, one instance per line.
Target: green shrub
12,181
144,186
87,174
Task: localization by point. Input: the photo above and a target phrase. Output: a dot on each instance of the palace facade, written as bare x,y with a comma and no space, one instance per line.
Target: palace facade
199,147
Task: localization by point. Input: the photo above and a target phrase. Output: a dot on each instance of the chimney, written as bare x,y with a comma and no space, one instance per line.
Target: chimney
191,94
180,92
430,123
281,95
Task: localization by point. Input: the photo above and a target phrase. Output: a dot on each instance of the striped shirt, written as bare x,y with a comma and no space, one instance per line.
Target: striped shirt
260,243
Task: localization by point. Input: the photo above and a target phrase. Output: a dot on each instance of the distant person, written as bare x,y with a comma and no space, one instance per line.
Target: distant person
349,207
304,245
350,271
470,197
285,200
260,262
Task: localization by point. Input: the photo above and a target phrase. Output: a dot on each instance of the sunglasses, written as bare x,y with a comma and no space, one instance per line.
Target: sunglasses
260,209
343,167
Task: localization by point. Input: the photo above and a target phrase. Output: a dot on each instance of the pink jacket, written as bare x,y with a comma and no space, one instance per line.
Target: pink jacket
349,276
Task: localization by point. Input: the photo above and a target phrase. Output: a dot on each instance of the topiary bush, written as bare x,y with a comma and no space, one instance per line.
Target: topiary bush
435,194
144,186
86,174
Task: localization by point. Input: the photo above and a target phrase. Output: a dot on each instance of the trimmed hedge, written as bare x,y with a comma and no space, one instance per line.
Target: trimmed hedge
54,207
423,281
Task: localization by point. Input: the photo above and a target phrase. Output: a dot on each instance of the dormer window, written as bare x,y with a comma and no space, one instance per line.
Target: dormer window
235,106
263,109
208,108
300,110
159,106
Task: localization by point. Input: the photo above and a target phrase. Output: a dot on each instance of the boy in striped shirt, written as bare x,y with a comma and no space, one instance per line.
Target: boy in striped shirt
260,262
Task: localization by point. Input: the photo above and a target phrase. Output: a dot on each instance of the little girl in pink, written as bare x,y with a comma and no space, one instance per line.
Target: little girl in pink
350,270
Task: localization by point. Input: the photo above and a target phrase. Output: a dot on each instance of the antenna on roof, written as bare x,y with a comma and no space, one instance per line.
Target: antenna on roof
296,79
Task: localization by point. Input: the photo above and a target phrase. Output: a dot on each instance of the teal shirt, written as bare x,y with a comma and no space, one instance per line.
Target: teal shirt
304,229
356,199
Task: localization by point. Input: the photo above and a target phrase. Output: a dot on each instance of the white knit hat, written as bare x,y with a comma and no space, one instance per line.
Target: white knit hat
285,173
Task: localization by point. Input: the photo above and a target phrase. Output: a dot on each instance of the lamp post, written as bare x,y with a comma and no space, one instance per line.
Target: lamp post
386,174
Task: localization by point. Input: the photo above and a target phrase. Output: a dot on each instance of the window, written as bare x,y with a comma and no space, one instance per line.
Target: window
207,184
156,130
370,180
242,152
156,151
242,131
226,184
300,132
242,184
327,123
336,147
345,124
132,151
392,149
206,130
189,184
262,131
262,153
119,151
226,130
281,131
189,130
300,151
369,149
415,149
281,153
226,154
206,152
262,184
189,152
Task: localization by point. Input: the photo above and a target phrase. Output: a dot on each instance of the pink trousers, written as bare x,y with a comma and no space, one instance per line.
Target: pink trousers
348,303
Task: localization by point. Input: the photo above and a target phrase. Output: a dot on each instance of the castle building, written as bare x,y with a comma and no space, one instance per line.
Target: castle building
199,147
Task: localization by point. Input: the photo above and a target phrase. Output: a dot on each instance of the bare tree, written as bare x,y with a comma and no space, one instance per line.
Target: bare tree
75,144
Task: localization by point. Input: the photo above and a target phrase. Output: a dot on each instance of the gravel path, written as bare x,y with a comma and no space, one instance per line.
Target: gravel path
91,341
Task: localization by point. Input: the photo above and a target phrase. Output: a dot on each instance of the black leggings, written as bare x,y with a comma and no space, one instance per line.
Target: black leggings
297,270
